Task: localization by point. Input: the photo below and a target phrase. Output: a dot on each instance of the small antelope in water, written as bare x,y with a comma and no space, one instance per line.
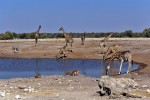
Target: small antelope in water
122,56
73,73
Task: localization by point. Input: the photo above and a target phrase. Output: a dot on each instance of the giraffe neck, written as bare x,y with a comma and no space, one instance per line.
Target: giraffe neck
38,30
65,34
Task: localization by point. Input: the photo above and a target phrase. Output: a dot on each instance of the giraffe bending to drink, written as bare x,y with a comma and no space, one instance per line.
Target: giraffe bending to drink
68,38
102,44
110,51
36,35
122,56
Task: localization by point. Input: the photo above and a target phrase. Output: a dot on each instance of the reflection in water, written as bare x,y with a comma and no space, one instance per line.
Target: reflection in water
10,68
37,69
64,63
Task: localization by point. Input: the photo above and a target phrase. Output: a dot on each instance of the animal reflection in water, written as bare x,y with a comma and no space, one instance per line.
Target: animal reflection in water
37,70
73,73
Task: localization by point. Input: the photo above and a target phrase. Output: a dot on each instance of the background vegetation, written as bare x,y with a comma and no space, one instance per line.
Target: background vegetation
128,33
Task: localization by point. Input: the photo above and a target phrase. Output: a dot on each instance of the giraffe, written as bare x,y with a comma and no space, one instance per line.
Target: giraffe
63,52
68,38
15,49
36,35
83,39
122,56
110,51
102,43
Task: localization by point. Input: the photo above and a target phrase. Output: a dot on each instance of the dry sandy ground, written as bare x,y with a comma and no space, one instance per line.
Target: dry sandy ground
71,87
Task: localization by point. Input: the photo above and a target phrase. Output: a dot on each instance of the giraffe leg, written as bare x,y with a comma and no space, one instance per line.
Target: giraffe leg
36,41
66,44
65,56
121,65
104,50
71,47
101,49
57,55
129,66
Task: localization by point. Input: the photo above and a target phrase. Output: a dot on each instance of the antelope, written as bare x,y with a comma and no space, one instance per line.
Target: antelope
73,73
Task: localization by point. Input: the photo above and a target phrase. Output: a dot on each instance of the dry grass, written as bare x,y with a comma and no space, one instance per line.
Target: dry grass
75,39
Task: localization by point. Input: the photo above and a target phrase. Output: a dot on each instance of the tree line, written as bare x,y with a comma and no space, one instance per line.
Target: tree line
128,33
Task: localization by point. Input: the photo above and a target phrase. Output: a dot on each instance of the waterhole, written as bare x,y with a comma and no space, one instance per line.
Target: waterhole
23,68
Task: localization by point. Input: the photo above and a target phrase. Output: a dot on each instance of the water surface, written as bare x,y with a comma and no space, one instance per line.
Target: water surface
14,68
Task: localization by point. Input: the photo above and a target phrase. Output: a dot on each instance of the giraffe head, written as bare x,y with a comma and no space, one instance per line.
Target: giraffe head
39,26
61,29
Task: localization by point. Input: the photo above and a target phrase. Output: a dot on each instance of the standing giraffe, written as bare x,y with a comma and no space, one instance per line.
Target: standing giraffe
102,43
68,38
36,35
122,56
83,39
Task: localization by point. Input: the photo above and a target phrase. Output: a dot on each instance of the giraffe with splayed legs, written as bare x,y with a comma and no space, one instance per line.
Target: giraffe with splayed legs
36,35
62,52
122,56
102,44
68,38
15,49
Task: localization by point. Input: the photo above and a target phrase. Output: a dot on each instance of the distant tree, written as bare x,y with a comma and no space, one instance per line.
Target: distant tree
146,32
32,35
43,35
60,35
128,33
15,35
7,35
24,36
